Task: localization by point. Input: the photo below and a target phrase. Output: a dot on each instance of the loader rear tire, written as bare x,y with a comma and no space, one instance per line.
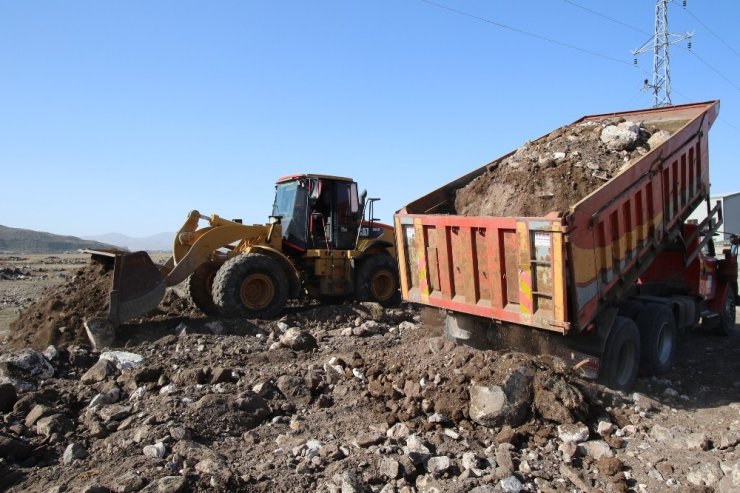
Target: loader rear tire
377,280
251,285
199,286
620,360
658,339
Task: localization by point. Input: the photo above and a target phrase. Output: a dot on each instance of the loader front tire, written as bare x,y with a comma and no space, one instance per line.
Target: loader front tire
251,285
199,286
377,280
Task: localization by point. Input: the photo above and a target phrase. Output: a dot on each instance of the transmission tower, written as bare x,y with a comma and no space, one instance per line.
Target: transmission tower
661,40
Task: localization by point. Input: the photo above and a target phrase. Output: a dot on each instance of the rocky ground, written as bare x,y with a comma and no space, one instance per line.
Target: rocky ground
558,170
351,398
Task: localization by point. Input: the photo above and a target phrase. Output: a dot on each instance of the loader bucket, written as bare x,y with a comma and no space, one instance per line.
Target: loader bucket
138,285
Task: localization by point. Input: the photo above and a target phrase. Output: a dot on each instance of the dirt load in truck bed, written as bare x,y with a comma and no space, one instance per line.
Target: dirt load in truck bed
558,170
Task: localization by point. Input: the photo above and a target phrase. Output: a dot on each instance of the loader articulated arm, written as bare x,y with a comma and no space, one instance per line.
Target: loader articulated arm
139,284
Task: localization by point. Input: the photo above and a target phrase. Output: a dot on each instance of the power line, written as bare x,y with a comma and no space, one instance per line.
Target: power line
526,33
714,69
607,17
712,32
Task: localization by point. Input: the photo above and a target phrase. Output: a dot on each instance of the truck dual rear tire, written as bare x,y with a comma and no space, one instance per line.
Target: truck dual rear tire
620,360
377,280
658,339
251,285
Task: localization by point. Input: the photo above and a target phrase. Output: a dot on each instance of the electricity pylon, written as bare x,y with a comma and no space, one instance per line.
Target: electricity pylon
661,40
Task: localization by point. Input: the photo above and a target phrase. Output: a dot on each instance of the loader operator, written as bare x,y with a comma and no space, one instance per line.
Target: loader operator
320,212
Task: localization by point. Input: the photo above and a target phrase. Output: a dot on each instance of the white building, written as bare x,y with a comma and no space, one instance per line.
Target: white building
730,215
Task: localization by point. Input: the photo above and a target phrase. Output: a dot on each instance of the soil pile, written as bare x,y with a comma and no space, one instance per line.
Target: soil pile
558,170
57,316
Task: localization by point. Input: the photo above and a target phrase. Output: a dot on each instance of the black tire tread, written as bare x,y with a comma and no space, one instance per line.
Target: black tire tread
727,321
651,317
196,285
623,331
367,268
227,285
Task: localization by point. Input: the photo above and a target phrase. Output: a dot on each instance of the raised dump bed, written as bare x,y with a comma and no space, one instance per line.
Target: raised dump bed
558,231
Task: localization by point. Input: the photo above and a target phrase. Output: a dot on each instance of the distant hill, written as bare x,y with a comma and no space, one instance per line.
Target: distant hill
28,241
153,243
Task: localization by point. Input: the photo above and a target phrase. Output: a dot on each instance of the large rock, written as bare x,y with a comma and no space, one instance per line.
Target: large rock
22,368
658,138
298,340
156,451
596,449
54,424
74,451
36,413
416,449
731,482
99,372
437,466
294,389
577,432
123,360
705,474
101,332
621,137
495,406
389,468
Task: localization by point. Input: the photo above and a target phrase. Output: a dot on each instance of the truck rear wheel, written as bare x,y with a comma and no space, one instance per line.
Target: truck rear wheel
658,338
727,318
621,357
252,286
199,286
377,280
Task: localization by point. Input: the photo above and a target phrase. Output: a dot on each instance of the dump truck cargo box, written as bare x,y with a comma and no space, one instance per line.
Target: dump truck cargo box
557,271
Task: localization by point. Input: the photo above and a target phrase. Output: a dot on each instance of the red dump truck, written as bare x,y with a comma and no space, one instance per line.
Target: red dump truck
612,277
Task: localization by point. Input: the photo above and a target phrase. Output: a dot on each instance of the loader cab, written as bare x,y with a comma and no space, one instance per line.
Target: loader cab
318,212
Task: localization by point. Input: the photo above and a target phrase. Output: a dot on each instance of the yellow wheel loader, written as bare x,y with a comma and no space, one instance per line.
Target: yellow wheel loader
317,242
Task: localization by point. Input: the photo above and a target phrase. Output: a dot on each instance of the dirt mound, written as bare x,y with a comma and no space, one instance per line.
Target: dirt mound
558,170
57,316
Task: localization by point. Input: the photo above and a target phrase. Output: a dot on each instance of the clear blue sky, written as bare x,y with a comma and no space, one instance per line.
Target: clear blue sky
124,116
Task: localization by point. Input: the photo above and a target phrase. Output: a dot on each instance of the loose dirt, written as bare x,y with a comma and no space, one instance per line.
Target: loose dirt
352,398
556,171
